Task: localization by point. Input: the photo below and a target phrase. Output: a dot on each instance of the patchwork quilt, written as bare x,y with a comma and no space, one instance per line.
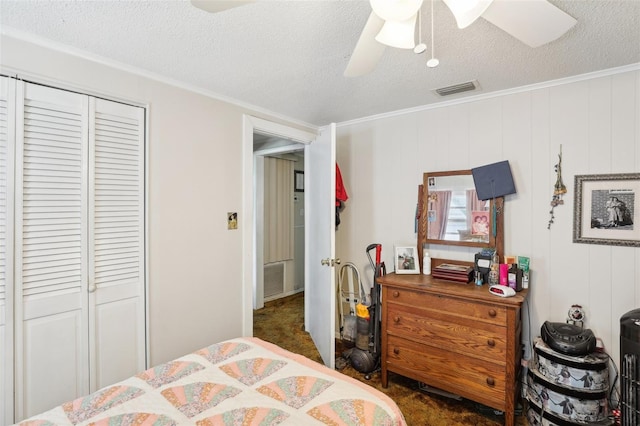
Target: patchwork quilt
240,382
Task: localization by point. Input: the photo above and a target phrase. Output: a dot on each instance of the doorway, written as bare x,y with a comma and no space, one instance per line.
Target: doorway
272,140
279,218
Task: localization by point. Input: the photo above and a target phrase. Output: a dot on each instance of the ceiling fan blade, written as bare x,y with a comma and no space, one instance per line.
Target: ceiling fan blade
214,6
533,22
368,51
467,12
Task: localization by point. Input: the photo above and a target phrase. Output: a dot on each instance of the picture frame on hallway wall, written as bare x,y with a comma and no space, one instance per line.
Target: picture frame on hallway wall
406,260
298,181
606,209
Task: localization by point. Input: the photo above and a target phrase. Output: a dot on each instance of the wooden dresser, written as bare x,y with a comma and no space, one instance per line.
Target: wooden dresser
456,337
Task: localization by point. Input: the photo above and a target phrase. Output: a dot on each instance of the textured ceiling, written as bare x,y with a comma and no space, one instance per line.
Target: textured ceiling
289,57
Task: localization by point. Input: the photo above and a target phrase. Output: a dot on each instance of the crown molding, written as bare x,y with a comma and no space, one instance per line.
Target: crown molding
83,54
479,97
66,49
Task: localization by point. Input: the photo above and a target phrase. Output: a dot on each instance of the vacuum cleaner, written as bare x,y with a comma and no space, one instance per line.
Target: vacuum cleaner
365,356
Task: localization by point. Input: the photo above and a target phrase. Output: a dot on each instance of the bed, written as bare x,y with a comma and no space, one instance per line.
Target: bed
243,381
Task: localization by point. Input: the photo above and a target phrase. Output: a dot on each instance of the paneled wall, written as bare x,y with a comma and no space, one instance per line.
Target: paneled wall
597,121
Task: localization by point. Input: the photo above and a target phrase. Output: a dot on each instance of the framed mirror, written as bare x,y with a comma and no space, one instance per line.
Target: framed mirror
451,214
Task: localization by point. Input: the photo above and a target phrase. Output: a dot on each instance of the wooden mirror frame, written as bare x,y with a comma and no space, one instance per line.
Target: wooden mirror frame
496,242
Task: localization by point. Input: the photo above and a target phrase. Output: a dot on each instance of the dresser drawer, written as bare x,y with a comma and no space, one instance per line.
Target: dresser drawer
484,312
466,376
462,335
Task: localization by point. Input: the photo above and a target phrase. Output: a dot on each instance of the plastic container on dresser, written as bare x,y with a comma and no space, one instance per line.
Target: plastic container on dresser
452,336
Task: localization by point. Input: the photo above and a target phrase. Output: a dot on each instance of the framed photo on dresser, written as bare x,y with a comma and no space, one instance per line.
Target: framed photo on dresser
406,260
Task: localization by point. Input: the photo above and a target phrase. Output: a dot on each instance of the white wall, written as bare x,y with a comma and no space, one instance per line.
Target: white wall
597,121
298,234
195,178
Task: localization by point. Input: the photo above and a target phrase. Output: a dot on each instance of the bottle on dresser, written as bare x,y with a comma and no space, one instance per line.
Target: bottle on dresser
494,273
426,264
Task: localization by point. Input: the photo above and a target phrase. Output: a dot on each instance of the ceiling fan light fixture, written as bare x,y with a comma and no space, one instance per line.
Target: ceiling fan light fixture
400,34
467,11
395,10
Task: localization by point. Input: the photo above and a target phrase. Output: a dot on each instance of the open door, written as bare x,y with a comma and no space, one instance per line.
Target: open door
320,286
320,177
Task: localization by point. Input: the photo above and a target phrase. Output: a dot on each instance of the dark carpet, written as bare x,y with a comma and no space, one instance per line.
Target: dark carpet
282,322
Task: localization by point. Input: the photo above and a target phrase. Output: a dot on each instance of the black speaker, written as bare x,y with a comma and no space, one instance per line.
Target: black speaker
568,339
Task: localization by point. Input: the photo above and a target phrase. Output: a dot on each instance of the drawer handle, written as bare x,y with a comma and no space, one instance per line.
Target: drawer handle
492,312
396,319
490,381
396,351
491,342
396,294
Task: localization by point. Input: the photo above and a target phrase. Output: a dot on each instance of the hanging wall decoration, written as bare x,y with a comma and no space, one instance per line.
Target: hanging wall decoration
558,189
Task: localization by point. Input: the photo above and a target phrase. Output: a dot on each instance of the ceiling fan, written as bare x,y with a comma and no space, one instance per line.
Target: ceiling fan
393,23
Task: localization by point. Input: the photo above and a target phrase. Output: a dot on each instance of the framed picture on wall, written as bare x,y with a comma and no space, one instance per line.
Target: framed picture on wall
607,209
298,181
406,260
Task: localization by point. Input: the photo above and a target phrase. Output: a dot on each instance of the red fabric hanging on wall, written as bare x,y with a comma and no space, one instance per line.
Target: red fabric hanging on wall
341,195
341,191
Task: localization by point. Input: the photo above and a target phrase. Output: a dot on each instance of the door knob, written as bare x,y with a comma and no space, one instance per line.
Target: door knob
325,262
330,262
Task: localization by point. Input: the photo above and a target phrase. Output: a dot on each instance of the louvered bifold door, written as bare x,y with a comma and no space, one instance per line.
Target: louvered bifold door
7,138
116,259
51,248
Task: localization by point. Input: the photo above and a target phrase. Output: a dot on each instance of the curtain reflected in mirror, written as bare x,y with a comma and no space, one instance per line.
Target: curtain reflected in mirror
438,203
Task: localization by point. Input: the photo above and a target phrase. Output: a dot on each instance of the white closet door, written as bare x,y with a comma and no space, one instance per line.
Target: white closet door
7,138
116,258
52,362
